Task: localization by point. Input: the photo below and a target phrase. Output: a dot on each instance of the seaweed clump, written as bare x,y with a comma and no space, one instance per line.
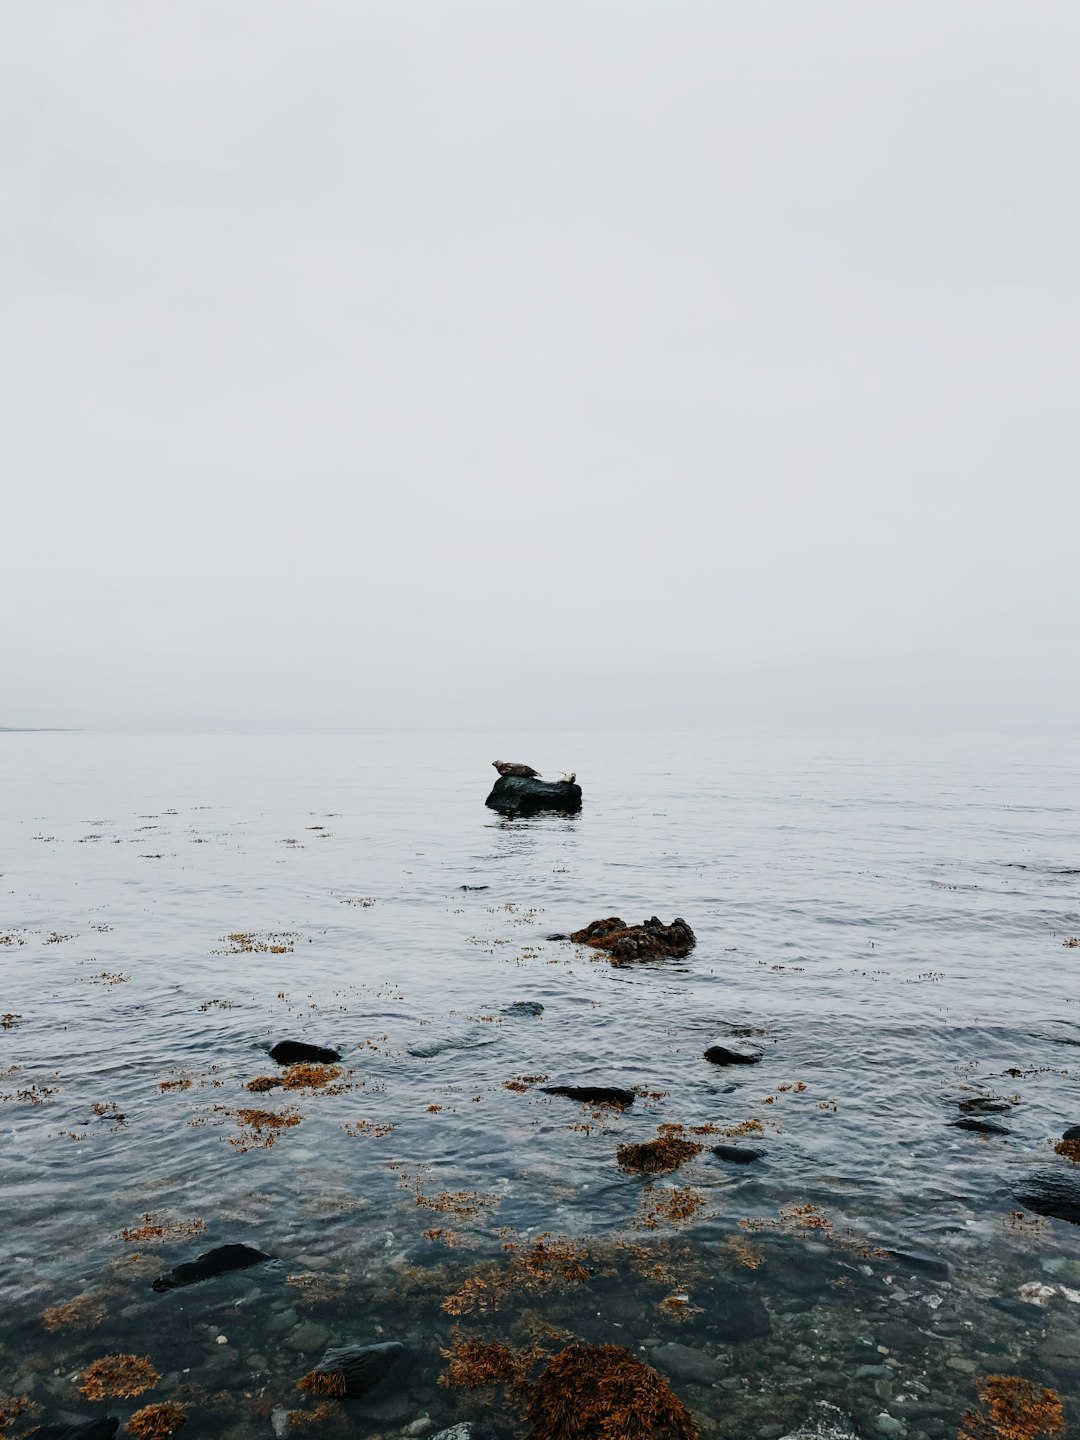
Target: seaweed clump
476,1365
603,1392
84,1310
11,1407
659,1156
157,1422
1070,1149
652,940
122,1376
1012,1408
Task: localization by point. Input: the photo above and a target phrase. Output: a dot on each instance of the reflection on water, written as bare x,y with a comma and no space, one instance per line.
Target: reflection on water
886,920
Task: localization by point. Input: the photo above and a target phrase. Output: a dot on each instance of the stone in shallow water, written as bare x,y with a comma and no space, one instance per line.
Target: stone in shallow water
980,1127
824,1422
88,1430
683,1362
738,1154
1054,1193
734,1052
441,1044
732,1314
293,1052
532,1008
213,1262
651,940
468,1430
308,1337
514,795
593,1094
363,1366
1073,1133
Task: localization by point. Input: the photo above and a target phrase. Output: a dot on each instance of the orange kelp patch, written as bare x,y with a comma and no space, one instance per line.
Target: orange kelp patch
83,1311
1011,1408
475,1365
603,1392
157,1422
121,1376
657,1157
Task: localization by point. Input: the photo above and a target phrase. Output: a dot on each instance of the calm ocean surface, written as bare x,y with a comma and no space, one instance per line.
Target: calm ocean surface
886,915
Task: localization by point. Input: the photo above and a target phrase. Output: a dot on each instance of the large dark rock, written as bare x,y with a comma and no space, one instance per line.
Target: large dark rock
1073,1133
100,1429
1052,1192
518,795
738,1154
594,1094
532,1008
979,1127
651,940
214,1262
363,1366
734,1052
295,1052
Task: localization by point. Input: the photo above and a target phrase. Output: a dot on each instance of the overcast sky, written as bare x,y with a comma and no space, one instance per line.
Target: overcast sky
433,361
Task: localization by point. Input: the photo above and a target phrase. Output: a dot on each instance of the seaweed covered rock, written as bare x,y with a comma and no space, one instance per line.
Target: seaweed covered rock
587,1391
354,1370
290,1052
515,795
651,940
213,1262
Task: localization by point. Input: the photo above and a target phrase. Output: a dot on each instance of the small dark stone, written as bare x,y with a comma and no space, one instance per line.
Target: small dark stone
214,1262
980,1127
364,1366
1073,1133
524,1007
1052,1192
738,1154
86,1430
732,1314
515,795
734,1052
593,1094
556,937
984,1105
293,1052
474,887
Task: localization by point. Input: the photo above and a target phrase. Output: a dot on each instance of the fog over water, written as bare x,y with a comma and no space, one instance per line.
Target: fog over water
553,365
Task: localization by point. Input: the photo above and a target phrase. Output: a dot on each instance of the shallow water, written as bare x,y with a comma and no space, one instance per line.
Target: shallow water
886,915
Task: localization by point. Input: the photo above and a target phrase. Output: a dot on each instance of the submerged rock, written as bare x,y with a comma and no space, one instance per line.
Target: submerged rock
354,1370
651,940
515,795
738,1154
100,1429
683,1362
593,1094
532,1008
979,1127
440,1044
468,1430
733,1314
734,1052
1073,1133
1055,1193
289,1052
213,1262
824,1422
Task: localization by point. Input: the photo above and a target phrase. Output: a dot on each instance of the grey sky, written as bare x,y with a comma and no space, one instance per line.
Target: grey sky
546,363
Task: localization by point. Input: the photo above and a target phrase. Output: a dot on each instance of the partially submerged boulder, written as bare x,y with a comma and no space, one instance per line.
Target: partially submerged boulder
100,1429
615,1095
214,1262
292,1052
354,1370
734,1052
651,940
516,795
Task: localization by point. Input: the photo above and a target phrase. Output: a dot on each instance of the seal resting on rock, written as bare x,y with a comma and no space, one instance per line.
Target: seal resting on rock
511,767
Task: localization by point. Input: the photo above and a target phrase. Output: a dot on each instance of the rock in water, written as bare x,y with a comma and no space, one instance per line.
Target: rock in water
738,1154
515,795
1052,1192
733,1314
468,1430
291,1052
214,1262
651,940
532,1008
594,1094
977,1126
734,1052
361,1367
825,1422
1073,1133
86,1430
